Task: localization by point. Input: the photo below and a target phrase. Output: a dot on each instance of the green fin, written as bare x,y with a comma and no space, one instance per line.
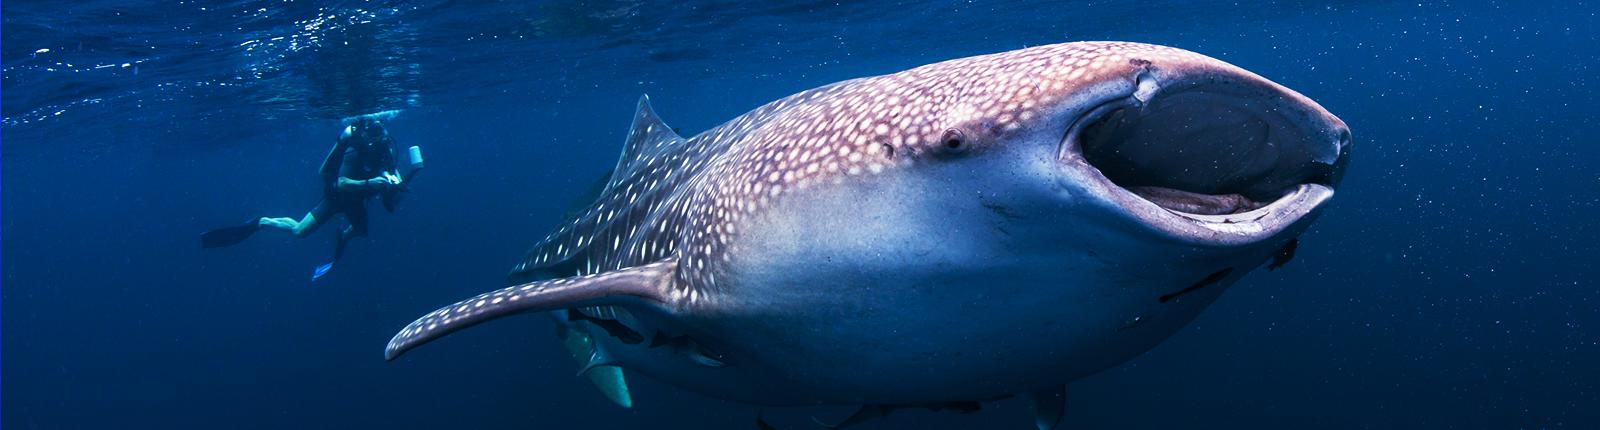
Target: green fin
607,378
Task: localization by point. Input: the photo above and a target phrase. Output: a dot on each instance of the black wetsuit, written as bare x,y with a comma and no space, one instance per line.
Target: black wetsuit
355,164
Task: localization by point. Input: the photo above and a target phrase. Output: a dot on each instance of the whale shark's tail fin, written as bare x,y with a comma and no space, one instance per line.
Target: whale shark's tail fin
646,285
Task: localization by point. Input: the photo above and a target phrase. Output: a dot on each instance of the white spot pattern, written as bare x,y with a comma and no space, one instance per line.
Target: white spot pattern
685,198
548,293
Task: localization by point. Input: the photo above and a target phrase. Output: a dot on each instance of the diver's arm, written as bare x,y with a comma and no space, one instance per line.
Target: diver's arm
392,169
335,159
374,184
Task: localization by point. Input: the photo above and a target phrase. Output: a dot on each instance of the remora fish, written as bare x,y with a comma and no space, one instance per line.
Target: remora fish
959,232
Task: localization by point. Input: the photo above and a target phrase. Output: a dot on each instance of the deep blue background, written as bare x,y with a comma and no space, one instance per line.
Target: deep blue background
1452,285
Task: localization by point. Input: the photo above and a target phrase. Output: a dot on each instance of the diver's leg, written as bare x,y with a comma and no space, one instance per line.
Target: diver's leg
289,224
356,214
284,223
305,226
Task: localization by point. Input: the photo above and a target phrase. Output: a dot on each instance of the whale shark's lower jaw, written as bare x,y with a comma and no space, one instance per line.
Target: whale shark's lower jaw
1211,159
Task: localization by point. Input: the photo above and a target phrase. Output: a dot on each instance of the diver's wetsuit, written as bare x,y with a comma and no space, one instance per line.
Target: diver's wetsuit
357,165
353,160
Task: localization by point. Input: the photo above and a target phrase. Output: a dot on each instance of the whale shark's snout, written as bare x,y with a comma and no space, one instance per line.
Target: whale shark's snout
1209,154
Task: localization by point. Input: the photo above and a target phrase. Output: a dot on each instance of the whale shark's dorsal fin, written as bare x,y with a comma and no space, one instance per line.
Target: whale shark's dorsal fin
648,151
647,137
647,285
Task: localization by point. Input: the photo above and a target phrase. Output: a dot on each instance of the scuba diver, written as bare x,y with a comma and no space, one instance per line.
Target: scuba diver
361,166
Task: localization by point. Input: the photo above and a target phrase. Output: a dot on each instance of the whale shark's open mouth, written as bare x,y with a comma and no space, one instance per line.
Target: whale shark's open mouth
1214,152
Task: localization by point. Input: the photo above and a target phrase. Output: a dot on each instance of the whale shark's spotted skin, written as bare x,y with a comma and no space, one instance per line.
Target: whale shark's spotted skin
692,194
930,238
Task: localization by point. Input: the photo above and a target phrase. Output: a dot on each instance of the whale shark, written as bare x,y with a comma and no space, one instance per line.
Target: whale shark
957,233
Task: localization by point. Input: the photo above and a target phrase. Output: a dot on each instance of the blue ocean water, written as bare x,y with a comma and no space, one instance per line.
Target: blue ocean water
1451,286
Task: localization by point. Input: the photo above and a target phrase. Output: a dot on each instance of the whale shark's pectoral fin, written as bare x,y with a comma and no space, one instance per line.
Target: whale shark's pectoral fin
597,367
1048,407
610,381
646,285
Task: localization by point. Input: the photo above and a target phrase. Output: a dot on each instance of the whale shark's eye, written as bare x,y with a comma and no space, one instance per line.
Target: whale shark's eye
953,142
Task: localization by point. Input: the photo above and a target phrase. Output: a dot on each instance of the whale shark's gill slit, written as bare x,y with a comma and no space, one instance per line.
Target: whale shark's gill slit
612,327
1206,282
689,348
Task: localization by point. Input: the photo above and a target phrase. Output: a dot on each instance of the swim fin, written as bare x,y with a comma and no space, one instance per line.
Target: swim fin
321,270
228,236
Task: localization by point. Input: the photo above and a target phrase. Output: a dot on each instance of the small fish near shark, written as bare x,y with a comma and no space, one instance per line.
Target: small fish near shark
961,232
